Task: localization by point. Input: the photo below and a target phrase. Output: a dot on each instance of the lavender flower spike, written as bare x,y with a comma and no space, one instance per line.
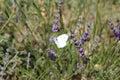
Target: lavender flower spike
117,34
55,26
116,30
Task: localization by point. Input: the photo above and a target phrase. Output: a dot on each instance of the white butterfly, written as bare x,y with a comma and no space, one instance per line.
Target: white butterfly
61,40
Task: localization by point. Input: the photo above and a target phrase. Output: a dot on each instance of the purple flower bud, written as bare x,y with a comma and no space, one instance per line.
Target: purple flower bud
82,40
56,16
117,34
74,39
51,39
82,67
81,52
51,54
77,44
73,34
56,21
58,11
86,33
72,31
84,37
55,28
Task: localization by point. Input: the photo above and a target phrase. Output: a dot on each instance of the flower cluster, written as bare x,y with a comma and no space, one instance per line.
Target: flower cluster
83,39
51,53
73,34
116,30
85,36
80,66
55,26
81,52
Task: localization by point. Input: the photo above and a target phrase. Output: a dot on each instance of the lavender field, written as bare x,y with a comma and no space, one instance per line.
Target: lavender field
59,39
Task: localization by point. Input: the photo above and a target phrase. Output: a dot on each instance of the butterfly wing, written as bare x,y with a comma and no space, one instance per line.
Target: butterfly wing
56,42
63,37
61,44
60,41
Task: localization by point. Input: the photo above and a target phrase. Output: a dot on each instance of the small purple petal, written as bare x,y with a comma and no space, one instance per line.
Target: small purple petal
115,30
58,11
82,67
117,34
72,31
56,16
51,53
55,27
55,21
77,43
81,52
51,39
82,40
